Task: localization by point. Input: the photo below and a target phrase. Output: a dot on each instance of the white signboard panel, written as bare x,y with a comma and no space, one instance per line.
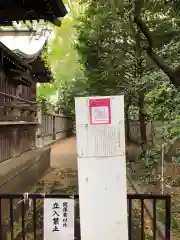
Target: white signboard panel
103,199
58,219
101,141
101,167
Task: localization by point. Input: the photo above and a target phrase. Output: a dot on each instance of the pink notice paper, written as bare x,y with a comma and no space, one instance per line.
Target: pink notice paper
100,111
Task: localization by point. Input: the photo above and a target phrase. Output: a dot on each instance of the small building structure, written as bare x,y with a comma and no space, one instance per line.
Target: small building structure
21,67
23,39
18,77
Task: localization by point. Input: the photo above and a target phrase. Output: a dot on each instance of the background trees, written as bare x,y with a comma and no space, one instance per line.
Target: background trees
106,48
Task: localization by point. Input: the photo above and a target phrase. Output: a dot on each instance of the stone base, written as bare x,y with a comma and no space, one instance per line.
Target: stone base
18,175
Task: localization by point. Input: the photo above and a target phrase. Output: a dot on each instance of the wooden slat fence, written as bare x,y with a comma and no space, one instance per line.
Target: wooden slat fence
53,127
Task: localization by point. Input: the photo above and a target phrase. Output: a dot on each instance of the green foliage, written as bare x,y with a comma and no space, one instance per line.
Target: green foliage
177,156
45,91
61,56
151,158
100,43
164,105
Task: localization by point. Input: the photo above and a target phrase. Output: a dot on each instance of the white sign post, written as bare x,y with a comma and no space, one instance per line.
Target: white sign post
101,168
58,219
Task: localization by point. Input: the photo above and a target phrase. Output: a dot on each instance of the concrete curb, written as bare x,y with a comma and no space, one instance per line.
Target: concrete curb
149,209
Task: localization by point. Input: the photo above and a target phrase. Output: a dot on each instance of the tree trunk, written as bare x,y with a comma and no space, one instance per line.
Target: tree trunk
142,121
138,74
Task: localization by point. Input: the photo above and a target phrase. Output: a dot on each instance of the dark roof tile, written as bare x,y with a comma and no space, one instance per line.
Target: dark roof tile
22,10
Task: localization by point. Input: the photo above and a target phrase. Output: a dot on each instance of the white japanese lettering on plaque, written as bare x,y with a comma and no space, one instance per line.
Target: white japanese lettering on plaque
58,219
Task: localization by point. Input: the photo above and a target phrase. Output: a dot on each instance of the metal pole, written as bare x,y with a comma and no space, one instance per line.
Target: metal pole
162,168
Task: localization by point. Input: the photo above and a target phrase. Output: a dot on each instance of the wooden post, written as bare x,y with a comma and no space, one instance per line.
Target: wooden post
16,141
54,127
69,127
39,139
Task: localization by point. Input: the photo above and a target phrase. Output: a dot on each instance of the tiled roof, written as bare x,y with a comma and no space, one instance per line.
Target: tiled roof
22,10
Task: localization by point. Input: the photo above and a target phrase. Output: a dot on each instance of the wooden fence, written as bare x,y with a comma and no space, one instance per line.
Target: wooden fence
15,140
51,128
154,131
19,137
135,134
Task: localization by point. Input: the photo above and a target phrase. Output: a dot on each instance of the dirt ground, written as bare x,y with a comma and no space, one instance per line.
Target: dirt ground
62,175
63,154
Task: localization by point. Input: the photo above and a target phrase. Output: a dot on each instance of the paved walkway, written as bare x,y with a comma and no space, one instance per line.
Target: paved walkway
62,176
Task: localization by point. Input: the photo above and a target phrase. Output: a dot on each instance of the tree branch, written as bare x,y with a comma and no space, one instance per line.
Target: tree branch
138,5
144,29
174,76
161,64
